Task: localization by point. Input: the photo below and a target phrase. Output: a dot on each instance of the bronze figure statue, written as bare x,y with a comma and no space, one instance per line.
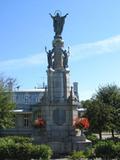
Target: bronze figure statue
58,23
65,59
49,56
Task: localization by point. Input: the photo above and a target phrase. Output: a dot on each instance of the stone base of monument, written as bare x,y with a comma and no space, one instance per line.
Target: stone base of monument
66,148
76,144
79,145
61,145
80,142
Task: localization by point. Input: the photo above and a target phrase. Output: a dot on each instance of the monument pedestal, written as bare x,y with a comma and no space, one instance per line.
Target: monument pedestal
79,145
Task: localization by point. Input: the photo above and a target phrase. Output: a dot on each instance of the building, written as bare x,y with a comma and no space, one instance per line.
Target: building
24,101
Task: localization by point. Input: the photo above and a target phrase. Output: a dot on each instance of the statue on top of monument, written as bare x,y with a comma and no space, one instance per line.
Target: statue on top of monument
58,23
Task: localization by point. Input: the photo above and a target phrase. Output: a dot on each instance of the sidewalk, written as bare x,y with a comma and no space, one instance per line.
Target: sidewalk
107,135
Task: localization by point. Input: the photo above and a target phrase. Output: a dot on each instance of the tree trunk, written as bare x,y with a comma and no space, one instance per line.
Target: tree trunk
112,131
100,135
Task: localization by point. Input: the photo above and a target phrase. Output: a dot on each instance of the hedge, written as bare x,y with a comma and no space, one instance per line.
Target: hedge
107,150
103,149
13,148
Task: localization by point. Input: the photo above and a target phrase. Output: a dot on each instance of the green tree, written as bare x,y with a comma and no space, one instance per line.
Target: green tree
6,104
98,115
110,96
103,109
118,120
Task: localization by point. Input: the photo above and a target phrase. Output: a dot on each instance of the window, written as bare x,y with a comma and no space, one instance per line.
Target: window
26,120
38,114
26,99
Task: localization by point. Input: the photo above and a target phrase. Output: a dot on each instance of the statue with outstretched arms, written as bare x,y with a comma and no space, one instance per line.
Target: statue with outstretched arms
58,23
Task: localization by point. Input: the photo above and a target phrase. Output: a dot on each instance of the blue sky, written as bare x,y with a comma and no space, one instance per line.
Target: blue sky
92,31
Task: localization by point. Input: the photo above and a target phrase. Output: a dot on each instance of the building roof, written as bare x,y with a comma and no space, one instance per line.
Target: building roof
31,90
21,111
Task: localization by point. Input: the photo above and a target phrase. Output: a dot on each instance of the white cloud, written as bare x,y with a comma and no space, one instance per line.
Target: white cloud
31,60
110,45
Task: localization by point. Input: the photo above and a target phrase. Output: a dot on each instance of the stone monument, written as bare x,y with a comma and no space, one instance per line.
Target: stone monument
58,107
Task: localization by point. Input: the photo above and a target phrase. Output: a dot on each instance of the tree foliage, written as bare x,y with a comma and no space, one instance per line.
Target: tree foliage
110,96
98,115
103,110
6,104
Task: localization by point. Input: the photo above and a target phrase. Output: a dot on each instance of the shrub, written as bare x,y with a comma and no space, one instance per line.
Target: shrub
19,139
89,153
22,151
5,146
41,151
117,150
12,148
77,155
93,138
105,149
